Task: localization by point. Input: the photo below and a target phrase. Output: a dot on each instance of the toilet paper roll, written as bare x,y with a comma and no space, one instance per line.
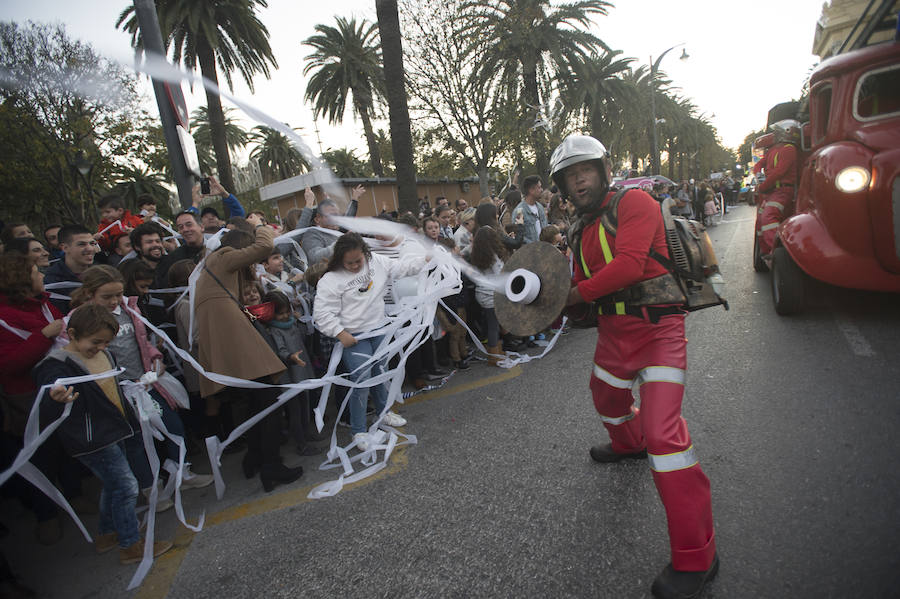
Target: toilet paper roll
522,286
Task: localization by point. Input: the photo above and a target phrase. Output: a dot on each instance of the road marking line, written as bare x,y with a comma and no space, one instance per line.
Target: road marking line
858,343
166,567
510,373
159,580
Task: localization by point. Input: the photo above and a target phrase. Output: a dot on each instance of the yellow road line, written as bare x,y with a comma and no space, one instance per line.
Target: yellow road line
166,567
507,374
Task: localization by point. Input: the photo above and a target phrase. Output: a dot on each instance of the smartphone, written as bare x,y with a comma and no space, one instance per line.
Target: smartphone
204,186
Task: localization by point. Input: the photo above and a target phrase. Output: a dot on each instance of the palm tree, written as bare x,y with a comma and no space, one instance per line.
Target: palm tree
535,41
132,181
401,135
235,136
346,61
278,158
226,33
345,164
596,90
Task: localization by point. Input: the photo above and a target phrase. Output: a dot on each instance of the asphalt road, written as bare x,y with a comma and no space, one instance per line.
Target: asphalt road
794,420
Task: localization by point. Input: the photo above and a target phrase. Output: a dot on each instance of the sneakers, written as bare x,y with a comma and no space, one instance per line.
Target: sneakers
161,504
392,419
605,454
677,584
192,480
362,441
105,543
135,552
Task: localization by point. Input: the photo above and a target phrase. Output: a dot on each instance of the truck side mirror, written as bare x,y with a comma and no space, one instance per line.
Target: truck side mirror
805,133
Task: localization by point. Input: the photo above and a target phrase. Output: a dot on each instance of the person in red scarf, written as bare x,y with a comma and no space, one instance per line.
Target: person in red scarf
112,209
29,324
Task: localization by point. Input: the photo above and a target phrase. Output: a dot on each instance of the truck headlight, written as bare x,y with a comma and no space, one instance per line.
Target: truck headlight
852,179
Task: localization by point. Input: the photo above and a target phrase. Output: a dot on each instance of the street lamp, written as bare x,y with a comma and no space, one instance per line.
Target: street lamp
654,154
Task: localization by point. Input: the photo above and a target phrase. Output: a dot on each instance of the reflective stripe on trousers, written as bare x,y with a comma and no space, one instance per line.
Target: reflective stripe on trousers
673,461
651,374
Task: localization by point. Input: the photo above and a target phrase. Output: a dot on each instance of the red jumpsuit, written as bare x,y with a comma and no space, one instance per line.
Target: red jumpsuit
633,351
781,177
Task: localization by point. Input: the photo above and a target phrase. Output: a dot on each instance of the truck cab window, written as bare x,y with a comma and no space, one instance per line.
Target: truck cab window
878,93
821,110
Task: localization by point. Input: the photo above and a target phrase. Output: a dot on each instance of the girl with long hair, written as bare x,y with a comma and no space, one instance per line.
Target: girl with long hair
350,301
488,255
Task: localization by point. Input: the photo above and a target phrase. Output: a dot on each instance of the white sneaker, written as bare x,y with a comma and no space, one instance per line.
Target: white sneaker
393,419
192,480
362,441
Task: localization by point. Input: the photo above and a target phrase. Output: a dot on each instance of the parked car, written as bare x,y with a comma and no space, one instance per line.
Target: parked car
845,229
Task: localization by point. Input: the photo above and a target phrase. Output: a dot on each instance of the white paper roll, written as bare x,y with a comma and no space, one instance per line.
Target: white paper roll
522,286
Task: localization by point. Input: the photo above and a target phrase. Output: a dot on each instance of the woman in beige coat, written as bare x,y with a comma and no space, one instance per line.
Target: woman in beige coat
230,345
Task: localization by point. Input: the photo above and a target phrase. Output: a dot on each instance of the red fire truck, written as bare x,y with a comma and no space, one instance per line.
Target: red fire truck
845,228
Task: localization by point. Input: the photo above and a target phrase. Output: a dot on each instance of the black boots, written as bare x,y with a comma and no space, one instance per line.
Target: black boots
605,454
677,584
276,474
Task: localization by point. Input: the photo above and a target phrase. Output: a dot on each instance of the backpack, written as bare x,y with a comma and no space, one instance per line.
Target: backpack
692,260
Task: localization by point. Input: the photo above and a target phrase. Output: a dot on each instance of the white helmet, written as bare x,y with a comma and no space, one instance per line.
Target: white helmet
786,131
575,149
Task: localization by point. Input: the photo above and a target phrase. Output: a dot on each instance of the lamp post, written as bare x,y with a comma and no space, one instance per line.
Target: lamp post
84,167
654,68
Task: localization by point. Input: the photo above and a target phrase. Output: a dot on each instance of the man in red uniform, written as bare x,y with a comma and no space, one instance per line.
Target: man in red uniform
640,343
781,177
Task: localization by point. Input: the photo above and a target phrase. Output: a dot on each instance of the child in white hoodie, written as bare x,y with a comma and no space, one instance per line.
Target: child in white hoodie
350,301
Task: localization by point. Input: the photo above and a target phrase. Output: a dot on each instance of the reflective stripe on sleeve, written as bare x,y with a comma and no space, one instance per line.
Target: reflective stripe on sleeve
611,379
778,205
673,461
661,374
617,421
769,227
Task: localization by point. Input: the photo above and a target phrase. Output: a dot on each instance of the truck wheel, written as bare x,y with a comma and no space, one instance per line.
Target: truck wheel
788,282
759,265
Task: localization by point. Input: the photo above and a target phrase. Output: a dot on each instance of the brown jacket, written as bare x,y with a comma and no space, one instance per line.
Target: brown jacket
228,343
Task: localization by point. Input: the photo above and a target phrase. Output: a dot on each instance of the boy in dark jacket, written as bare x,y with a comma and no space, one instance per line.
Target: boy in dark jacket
100,429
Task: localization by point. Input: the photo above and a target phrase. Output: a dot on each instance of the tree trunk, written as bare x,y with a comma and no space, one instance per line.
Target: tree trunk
401,138
374,153
538,141
671,159
483,182
207,59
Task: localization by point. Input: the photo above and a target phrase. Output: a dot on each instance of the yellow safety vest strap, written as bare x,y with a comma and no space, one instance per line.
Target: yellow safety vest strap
607,257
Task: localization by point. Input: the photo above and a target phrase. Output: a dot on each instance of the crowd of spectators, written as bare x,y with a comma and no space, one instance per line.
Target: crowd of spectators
74,301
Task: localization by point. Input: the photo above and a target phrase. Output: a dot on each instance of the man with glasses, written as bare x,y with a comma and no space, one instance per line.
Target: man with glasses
79,248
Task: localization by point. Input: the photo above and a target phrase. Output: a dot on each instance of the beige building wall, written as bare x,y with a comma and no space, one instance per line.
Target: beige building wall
383,196
837,20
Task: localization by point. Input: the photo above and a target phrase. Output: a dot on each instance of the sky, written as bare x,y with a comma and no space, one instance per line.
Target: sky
743,57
